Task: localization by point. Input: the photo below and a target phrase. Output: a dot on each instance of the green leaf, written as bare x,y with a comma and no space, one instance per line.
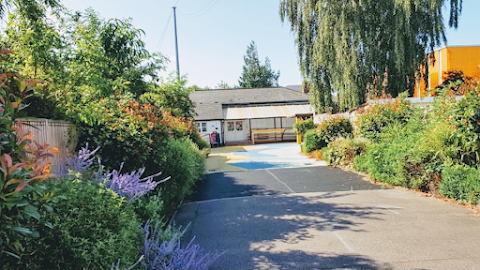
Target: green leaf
32,211
12,254
21,230
49,208
48,224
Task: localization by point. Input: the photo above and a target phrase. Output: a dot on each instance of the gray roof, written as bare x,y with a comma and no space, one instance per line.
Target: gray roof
209,103
296,87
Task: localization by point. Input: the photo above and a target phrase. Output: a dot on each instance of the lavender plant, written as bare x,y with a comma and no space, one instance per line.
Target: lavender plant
130,185
117,266
79,163
169,255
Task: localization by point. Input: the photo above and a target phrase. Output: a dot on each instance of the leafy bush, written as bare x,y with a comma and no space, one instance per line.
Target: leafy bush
327,131
24,166
126,132
467,121
185,163
200,141
385,160
92,227
335,127
150,207
382,113
303,126
461,183
343,151
312,141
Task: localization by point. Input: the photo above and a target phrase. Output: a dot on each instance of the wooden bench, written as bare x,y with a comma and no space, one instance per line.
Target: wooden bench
281,131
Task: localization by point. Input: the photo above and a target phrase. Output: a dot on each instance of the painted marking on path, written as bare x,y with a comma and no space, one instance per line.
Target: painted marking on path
347,246
390,208
274,176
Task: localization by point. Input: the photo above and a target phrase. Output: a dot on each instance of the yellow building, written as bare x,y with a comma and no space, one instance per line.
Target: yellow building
464,58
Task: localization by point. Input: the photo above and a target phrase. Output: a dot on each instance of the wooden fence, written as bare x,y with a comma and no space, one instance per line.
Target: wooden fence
56,133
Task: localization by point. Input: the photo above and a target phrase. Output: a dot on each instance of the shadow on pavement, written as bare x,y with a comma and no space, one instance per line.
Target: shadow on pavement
230,185
278,232
290,260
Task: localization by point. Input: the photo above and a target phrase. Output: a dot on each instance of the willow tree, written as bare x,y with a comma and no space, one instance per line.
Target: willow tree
350,48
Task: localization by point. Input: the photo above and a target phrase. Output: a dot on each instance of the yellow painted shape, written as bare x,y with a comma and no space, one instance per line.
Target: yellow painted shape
299,137
252,147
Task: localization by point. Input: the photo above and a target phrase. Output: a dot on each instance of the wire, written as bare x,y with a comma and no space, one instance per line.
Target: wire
207,6
194,13
162,38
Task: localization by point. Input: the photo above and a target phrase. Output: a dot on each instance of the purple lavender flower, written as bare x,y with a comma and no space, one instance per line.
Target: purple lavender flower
117,266
79,163
168,255
130,184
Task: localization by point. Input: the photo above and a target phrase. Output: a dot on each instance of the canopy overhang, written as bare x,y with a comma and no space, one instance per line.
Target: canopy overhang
267,111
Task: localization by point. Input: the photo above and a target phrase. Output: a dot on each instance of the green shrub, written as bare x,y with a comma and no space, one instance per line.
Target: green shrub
312,141
185,163
328,130
379,115
303,126
92,227
467,121
200,141
461,183
150,207
24,165
333,128
385,160
343,151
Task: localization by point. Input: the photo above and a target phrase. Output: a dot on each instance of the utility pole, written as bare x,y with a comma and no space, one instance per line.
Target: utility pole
176,41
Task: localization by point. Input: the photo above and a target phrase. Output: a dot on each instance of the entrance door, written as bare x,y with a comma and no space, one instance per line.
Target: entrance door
235,131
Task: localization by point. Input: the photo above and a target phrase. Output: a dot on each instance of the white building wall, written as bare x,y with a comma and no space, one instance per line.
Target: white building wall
205,128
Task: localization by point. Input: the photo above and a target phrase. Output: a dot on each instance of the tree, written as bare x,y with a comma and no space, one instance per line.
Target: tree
354,48
30,10
223,85
173,95
256,74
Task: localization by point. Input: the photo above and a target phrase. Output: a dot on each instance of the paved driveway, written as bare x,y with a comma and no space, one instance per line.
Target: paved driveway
255,157
325,218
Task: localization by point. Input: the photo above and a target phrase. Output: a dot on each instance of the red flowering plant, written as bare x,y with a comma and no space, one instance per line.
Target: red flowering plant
126,132
380,113
24,166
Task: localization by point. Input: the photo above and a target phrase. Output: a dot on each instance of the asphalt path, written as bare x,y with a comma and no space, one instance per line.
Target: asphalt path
278,181
326,218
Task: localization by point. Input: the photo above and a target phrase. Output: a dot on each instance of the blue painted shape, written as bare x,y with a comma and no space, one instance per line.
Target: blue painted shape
256,165
254,153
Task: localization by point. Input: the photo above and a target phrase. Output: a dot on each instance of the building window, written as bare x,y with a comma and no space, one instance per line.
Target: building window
230,126
201,127
239,125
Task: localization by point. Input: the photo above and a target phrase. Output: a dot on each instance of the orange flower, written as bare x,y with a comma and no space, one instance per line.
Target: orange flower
55,149
31,136
46,168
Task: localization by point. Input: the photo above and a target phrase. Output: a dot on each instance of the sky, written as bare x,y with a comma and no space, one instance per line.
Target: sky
213,35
